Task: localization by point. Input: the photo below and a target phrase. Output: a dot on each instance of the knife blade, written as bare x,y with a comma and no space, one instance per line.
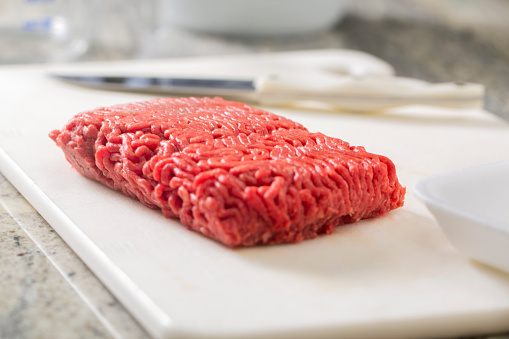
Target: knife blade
365,93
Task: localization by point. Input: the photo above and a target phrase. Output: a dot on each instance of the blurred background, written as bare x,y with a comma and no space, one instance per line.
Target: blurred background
433,40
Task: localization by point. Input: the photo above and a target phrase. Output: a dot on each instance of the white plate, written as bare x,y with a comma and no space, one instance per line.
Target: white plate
472,207
255,18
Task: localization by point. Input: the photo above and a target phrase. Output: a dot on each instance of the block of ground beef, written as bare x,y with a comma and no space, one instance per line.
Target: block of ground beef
238,174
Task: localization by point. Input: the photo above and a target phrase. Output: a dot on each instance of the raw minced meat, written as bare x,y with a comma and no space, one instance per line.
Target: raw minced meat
235,173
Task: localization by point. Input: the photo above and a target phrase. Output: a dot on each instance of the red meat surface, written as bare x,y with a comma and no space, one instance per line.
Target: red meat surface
238,174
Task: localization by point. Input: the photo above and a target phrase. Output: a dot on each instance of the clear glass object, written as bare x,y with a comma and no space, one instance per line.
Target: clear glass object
43,30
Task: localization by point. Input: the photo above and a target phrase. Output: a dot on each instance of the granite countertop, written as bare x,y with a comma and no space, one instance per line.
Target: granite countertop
45,289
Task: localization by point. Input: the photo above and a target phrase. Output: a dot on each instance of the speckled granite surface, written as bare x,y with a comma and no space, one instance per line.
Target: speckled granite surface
45,289
47,292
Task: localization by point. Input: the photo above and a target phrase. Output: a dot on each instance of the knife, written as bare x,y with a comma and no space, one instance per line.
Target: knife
353,93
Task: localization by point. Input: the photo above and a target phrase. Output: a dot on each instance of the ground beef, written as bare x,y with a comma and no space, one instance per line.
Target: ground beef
238,174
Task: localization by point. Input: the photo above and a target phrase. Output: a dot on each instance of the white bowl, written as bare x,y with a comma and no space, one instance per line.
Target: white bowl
472,207
254,17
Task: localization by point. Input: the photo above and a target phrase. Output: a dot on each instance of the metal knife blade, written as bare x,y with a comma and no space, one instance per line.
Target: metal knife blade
166,85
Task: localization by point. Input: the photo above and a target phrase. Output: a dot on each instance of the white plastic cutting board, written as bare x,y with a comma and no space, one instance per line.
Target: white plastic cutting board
396,276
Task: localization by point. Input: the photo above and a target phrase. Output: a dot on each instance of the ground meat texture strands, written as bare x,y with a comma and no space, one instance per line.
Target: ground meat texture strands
238,174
